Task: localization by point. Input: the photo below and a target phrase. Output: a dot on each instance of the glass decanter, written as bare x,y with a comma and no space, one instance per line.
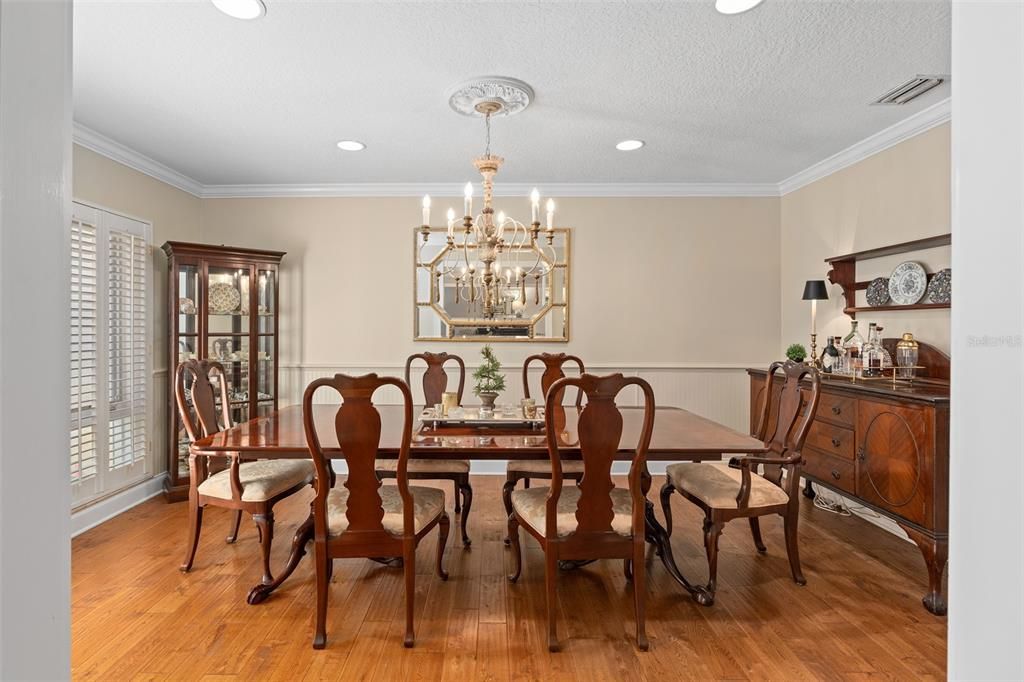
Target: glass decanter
853,346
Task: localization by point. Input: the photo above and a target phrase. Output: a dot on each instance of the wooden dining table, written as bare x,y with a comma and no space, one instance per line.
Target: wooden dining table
679,435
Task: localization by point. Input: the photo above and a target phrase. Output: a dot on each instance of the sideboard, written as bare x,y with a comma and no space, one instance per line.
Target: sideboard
885,446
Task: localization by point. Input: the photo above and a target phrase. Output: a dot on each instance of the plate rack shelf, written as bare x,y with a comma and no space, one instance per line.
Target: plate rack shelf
844,274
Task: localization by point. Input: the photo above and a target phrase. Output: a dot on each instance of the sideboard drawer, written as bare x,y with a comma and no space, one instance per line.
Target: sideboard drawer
835,440
836,471
837,409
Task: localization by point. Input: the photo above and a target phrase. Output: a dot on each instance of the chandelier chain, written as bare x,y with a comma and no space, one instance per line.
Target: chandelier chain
487,126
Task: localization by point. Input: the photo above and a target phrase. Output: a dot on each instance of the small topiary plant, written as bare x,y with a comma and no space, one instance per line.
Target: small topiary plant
796,352
489,378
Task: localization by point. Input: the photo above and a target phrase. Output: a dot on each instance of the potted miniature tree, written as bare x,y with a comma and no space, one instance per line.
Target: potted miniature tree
489,379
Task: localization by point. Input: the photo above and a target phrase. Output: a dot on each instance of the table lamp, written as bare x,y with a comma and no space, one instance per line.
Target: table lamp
814,291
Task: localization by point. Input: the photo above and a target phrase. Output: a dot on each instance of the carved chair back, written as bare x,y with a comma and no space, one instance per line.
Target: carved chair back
796,410
201,381
599,430
553,363
358,428
435,379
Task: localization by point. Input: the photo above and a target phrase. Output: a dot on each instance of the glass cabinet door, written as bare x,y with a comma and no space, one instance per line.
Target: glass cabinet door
227,331
265,367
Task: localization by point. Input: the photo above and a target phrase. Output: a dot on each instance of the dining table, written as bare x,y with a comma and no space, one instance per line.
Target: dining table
679,435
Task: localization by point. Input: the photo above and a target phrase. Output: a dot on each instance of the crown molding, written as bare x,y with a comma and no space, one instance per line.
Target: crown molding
103,145
454,189
935,115
923,120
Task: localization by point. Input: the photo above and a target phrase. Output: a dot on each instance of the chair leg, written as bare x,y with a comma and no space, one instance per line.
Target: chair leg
467,504
409,557
322,585
265,526
627,569
712,531
506,497
456,486
195,524
666,505
517,557
444,526
640,596
551,592
755,530
234,527
792,550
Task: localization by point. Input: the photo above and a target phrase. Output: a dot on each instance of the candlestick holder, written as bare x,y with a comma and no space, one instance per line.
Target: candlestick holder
815,361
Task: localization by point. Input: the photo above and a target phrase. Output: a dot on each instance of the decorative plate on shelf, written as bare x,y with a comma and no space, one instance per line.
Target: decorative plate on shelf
907,283
878,291
941,286
186,306
224,298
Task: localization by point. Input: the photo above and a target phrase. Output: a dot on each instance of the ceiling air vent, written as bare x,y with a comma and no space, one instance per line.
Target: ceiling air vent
911,90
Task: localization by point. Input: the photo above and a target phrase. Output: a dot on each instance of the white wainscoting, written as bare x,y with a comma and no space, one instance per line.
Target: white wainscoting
718,391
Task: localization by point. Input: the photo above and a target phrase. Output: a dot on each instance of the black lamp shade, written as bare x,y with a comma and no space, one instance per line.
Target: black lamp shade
815,290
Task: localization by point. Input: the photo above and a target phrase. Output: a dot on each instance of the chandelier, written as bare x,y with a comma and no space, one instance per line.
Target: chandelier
491,260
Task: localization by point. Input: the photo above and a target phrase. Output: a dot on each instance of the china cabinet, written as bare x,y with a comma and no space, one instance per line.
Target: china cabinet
222,304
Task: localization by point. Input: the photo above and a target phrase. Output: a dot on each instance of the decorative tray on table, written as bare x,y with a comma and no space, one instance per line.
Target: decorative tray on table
471,416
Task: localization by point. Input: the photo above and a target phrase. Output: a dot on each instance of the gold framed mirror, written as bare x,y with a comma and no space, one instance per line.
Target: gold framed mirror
522,296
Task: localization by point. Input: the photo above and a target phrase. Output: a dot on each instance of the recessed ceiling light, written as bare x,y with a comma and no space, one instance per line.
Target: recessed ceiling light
629,145
351,146
736,6
241,9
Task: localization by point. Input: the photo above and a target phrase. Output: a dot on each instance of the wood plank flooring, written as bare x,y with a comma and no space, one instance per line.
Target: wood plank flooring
135,617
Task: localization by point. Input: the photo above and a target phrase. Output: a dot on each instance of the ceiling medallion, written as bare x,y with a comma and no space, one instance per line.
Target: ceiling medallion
490,96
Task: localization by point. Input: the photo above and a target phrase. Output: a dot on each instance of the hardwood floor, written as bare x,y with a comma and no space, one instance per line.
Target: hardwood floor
135,617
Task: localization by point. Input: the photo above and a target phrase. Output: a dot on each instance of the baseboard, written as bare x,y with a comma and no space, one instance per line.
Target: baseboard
118,503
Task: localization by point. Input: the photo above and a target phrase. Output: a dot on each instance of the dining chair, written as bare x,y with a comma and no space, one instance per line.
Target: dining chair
525,469
364,518
596,519
740,490
253,487
435,382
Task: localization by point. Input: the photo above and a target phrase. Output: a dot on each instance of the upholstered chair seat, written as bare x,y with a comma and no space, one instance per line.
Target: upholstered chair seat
428,504
427,466
531,505
542,467
718,485
260,480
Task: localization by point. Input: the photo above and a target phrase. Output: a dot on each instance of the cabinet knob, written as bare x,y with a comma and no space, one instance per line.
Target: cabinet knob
835,474
835,442
836,409
860,454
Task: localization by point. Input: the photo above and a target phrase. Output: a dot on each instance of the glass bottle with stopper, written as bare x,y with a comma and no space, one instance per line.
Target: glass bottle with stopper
872,354
830,357
853,345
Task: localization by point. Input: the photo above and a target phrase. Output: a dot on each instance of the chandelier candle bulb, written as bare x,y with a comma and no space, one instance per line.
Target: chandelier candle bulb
451,223
426,209
551,215
469,199
534,205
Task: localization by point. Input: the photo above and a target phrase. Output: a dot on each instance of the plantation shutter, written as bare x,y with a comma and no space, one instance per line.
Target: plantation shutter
126,350
109,352
84,332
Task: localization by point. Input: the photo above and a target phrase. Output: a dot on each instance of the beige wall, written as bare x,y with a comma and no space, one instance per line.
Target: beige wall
658,281
897,195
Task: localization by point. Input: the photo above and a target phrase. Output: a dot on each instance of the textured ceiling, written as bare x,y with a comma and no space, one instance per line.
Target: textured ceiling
749,98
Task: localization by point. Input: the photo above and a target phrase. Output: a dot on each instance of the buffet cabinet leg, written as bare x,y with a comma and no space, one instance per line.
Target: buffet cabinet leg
935,552
809,489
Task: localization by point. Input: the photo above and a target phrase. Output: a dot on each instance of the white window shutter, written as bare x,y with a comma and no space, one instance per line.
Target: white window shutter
109,352
84,351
